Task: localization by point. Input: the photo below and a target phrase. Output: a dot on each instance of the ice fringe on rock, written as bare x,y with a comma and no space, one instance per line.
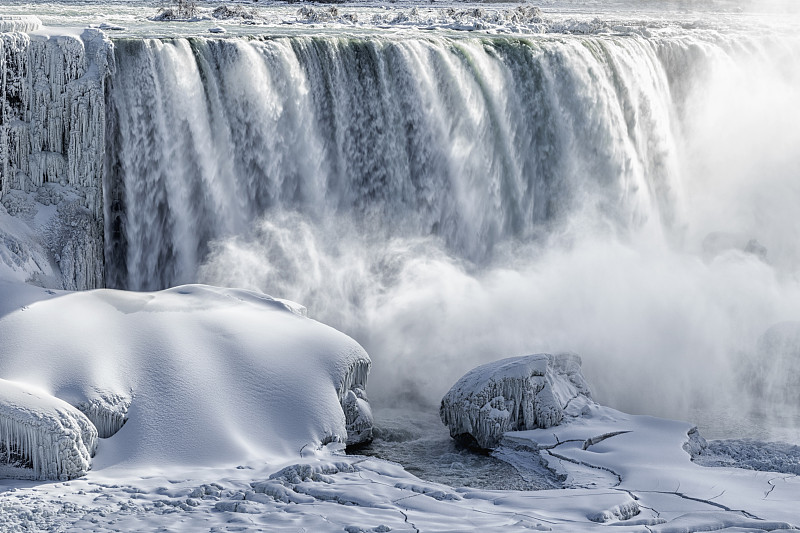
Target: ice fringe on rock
513,394
108,413
49,436
352,396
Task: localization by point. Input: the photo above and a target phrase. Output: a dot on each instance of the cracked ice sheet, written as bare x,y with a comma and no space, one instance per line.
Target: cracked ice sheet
375,494
650,462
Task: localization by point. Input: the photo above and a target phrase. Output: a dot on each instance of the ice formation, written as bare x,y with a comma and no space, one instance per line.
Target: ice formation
52,131
513,394
108,413
52,438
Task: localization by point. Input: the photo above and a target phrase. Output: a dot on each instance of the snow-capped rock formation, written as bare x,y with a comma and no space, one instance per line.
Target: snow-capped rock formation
41,436
513,394
198,375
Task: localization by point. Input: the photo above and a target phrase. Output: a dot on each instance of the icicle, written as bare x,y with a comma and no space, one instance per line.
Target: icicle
108,413
353,398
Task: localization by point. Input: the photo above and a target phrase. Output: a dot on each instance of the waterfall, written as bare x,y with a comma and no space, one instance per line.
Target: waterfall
451,200
473,141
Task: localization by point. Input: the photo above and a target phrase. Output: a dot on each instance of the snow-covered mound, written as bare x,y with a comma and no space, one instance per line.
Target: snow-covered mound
42,437
513,394
198,375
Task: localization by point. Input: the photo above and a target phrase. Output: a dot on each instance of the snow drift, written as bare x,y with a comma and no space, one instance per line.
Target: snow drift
198,375
41,436
513,394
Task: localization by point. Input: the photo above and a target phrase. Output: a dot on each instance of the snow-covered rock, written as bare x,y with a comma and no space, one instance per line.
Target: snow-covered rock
41,436
358,416
513,394
198,375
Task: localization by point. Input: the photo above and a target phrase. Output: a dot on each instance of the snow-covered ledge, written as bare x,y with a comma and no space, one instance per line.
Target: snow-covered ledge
41,436
513,394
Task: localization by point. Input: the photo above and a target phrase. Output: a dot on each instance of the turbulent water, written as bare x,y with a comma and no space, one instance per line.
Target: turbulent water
449,200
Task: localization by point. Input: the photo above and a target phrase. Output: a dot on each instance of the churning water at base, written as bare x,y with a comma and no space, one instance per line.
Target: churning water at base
448,201
417,440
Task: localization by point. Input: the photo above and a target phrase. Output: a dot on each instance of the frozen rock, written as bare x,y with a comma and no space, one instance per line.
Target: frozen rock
242,376
216,30
41,436
353,398
358,416
513,394
624,511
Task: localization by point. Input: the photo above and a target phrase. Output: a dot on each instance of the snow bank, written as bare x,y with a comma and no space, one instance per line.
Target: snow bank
192,375
513,394
41,436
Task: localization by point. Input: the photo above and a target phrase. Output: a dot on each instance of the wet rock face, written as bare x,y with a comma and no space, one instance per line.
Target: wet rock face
513,394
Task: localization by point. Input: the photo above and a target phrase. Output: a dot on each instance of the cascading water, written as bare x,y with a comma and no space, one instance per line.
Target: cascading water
452,200
472,141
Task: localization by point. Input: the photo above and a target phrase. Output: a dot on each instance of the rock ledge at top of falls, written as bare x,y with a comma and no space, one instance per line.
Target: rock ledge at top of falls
518,393
24,23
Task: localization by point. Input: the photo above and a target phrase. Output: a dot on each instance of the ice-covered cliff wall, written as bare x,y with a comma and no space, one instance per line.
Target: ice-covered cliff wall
52,141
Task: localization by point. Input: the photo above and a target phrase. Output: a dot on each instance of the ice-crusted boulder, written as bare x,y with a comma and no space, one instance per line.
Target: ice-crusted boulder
358,416
41,436
518,393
